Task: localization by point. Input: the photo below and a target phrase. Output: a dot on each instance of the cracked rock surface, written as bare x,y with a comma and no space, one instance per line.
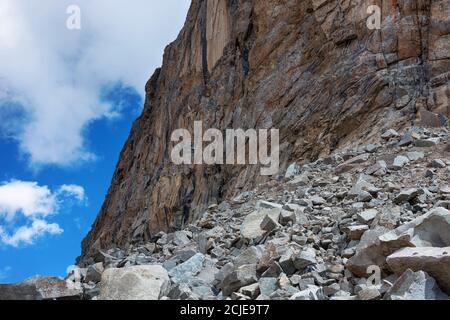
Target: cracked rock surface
278,241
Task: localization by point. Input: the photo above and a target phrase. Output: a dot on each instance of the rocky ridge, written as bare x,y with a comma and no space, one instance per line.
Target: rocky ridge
365,223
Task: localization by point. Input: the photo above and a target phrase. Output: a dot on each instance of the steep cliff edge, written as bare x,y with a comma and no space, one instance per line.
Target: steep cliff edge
310,68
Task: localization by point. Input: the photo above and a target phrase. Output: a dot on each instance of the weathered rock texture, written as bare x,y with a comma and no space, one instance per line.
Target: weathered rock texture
297,238
41,288
310,68
135,283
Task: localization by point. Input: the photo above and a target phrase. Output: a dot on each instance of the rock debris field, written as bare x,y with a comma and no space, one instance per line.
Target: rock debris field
367,223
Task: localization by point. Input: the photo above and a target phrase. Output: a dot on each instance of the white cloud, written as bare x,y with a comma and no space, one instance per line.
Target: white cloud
26,197
27,235
57,74
73,190
24,207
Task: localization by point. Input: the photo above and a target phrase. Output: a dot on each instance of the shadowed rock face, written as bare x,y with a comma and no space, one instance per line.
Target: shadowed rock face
310,68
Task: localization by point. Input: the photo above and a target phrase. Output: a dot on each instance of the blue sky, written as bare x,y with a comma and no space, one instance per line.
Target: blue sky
67,102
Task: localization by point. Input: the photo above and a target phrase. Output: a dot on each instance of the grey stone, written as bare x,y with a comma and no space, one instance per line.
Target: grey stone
41,288
251,291
283,281
185,252
205,244
406,140
236,296
391,133
312,293
180,291
301,217
170,264
224,205
292,207
379,168
201,289
355,232
107,259
269,205
429,230
305,258
267,286
274,270
429,173
240,277
301,180
434,261
406,195
369,293
364,196
251,227
91,293
317,201
414,155
367,216
94,273
188,269
305,283
359,187
292,171
301,240
287,264
371,148
251,255
438,163
134,283
269,224
343,295
426,143
224,272
399,162
332,289
442,204
352,163
415,286
180,238
287,217
348,253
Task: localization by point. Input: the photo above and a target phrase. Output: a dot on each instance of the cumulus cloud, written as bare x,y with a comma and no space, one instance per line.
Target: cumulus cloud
73,190
27,234
25,197
25,208
55,75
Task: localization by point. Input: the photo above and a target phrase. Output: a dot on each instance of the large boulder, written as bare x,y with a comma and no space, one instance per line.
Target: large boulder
415,286
41,288
19,291
434,261
134,283
429,230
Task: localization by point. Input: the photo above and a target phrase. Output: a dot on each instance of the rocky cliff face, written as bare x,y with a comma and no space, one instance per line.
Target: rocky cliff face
311,68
